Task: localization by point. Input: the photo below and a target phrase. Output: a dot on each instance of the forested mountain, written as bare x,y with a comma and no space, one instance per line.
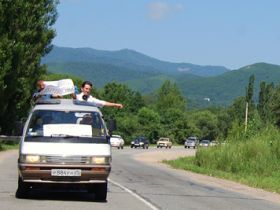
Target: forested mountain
128,59
99,73
146,74
225,88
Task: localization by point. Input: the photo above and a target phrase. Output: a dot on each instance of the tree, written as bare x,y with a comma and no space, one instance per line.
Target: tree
224,123
237,110
171,105
149,122
207,123
169,96
25,35
249,96
274,105
120,93
265,99
250,89
128,127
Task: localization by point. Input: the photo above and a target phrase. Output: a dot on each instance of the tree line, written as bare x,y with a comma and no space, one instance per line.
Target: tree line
25,36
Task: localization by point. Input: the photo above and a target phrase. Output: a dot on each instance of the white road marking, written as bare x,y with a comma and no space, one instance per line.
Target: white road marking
134,194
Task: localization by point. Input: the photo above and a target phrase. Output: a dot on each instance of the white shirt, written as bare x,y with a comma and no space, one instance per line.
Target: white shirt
99,103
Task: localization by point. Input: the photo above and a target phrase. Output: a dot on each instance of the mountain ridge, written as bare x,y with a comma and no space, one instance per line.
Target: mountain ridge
127,58
221,88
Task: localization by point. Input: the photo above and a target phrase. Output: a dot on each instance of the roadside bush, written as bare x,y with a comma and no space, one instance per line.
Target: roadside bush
256,155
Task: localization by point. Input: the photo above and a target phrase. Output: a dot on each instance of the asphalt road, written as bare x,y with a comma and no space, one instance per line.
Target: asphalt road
133,185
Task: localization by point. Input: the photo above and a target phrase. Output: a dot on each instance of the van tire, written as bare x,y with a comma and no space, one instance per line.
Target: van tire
22,190
99,190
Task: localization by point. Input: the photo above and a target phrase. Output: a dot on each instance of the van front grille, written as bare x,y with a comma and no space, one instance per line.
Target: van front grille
68,159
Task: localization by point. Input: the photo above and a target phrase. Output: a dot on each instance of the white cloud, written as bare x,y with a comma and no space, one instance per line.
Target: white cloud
160,10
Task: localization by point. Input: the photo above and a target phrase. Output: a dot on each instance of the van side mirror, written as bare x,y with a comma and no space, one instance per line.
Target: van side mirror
112,126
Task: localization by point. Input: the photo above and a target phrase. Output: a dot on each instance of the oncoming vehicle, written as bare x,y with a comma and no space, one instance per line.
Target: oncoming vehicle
64,143
213,143
204,143
191,142
140,142
164,142
117,141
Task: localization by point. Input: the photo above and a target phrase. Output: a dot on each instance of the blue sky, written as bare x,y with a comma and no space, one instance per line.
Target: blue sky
230,33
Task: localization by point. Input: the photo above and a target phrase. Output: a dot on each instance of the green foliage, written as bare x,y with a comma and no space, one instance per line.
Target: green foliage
169,96
8,145
224,123
149,122
237,110
237,131
250,89
254,155
150,84
274,106
205,124
146,76
128,127
171,105
174,124
120,93
224,89
25,35
251,159
127,59
265,98
99,73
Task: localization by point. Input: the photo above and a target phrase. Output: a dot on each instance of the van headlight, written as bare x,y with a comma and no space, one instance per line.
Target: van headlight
30,158
100,160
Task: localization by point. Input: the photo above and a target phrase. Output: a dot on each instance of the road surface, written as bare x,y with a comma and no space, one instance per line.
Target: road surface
137,181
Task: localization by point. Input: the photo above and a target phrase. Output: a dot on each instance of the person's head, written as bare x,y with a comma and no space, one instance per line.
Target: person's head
40,85
86,87
87,119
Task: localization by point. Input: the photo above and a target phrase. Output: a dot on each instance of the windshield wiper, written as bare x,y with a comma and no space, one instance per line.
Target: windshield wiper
64,136
35,136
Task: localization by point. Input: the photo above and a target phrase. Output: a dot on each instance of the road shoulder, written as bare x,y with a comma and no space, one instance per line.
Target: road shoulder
155,158
7,153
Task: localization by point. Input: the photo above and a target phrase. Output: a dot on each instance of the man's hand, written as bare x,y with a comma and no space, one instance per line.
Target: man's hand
120,106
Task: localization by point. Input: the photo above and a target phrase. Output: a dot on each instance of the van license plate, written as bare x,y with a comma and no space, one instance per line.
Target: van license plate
66,172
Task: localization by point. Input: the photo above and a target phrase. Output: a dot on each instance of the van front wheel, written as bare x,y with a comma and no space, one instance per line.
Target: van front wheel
22,190
99,190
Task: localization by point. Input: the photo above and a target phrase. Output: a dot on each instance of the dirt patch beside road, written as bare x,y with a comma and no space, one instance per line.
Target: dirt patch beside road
156,158
163,154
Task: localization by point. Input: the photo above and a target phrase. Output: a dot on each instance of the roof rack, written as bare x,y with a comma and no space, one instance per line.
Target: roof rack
84,103
47,101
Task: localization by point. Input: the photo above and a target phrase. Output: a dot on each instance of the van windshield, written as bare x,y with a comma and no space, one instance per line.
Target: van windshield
49,123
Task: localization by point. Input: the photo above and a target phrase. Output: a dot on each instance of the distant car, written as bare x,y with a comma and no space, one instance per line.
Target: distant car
213,143
140,142
117,141
191,142
204,143
164,142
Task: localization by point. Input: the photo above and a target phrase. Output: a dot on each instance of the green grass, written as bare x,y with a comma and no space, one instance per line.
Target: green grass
253,161
8,146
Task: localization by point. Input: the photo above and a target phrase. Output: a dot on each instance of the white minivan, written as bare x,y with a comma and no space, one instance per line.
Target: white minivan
64,143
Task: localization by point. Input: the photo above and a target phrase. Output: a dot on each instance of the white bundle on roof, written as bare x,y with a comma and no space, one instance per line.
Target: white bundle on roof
59,87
